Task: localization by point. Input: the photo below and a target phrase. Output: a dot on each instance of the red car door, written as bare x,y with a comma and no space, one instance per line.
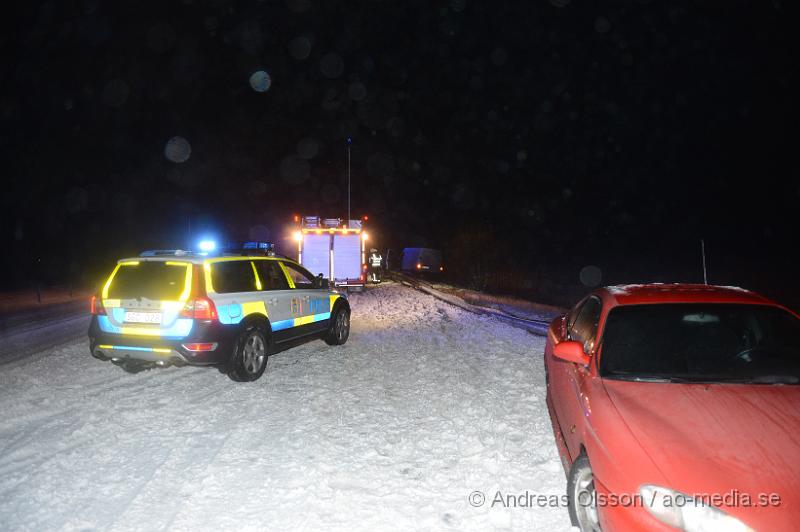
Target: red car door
571,380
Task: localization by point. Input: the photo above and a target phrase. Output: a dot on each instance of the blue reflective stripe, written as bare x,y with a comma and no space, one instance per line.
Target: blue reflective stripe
322,316
106,326
296,322
131,348
230,314
119,314
283,324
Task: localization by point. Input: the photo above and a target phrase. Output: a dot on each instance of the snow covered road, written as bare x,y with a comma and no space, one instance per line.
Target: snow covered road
424,405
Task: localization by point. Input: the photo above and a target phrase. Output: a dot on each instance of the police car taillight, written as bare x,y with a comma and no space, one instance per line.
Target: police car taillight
205,346
199,309
97,307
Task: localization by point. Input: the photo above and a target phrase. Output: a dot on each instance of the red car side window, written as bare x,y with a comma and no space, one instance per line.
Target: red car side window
572,316
584,328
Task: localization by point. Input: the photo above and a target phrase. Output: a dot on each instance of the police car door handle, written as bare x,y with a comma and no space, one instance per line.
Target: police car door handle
273,301
306,298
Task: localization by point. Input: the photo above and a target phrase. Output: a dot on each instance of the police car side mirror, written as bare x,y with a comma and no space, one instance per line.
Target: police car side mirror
321,282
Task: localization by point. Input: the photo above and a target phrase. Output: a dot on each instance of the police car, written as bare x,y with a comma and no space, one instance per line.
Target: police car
228,310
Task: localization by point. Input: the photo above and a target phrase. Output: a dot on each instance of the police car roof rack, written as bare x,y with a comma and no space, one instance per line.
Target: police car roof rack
163,252
249,248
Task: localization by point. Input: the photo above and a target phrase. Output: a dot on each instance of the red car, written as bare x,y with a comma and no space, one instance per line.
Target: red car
677,407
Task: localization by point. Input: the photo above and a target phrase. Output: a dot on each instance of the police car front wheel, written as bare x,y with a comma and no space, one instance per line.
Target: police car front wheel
340,327
249,357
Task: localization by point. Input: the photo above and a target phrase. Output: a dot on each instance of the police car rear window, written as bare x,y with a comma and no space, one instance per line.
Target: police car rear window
148,279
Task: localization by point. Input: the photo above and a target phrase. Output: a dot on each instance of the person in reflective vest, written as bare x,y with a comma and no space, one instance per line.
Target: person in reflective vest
375,262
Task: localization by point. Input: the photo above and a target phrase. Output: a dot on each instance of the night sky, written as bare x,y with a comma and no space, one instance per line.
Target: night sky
528,140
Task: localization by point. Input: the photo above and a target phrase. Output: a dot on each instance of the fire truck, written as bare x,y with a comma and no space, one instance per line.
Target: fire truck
332,247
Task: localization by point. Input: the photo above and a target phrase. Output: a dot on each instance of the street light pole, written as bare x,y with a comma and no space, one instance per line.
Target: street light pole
349,142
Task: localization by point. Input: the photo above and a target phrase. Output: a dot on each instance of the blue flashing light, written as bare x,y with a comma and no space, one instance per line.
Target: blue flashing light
207,245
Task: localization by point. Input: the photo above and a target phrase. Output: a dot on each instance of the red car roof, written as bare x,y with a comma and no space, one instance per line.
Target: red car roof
642,294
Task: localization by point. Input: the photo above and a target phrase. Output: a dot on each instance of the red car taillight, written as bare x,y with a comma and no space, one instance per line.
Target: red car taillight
97,307
199,309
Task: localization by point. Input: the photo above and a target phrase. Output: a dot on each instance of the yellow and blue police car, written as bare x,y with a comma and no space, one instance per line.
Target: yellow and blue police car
228,310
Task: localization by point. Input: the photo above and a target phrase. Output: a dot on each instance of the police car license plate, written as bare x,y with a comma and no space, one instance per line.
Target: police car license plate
142,317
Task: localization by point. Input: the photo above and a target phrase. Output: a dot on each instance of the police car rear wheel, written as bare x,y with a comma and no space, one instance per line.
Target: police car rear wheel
340,327
250,358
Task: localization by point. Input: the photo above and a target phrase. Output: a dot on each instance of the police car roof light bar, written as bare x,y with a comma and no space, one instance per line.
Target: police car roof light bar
247,248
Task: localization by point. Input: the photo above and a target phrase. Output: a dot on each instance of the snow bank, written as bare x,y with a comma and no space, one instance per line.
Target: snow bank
424,405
